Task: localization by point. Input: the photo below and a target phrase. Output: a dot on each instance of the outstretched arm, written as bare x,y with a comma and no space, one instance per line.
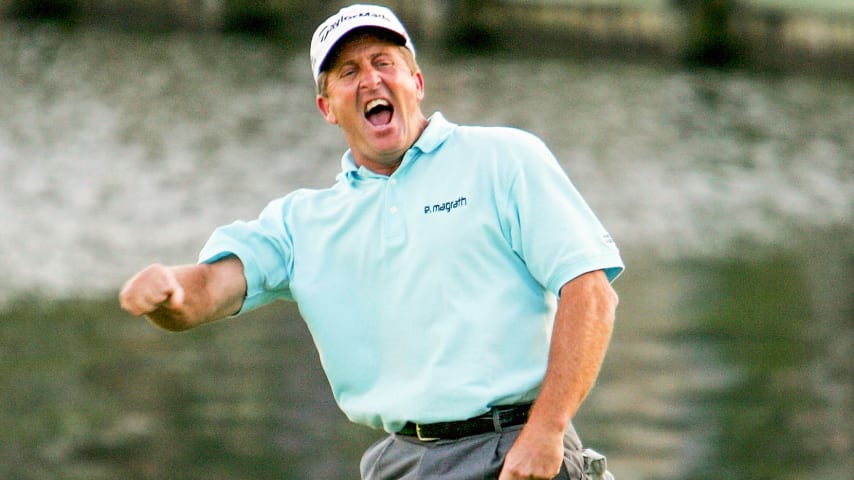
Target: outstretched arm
580,337
181,297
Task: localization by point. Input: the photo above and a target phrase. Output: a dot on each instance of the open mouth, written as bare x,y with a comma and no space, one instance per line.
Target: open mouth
378,112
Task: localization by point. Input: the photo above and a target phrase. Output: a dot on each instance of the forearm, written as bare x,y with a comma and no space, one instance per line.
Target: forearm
199,305
178,298
580,337
581,333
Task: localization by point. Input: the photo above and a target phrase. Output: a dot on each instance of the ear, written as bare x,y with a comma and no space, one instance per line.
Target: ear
419,85
326,110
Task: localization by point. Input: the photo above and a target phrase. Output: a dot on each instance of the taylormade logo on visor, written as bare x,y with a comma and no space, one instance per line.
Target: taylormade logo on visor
344,18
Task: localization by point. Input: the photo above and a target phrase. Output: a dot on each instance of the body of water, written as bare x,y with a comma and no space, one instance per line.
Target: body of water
730,194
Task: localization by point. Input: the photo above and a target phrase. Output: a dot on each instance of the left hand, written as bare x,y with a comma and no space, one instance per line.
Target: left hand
535,455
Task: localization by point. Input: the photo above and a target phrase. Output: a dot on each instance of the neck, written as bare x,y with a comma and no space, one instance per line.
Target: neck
388,164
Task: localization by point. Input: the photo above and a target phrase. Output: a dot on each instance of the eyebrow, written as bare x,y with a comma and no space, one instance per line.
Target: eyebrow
342,63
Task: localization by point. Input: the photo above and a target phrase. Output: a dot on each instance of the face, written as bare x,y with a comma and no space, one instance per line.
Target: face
374,96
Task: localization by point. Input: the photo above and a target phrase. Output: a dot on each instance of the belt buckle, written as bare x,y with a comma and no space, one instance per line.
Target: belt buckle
422,437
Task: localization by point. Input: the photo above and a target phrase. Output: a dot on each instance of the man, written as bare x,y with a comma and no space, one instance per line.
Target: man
427,274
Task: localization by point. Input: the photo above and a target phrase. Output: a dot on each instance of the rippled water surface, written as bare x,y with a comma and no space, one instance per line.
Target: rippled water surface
730,195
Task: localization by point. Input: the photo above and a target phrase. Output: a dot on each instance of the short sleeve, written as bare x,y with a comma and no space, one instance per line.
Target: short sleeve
552,227
265,248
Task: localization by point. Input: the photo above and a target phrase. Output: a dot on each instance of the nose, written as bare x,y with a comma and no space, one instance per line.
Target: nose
370,77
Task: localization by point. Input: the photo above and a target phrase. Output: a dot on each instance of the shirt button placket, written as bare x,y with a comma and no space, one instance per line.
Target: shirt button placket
394,227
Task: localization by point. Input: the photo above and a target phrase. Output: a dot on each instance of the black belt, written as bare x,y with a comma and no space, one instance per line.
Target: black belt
492,421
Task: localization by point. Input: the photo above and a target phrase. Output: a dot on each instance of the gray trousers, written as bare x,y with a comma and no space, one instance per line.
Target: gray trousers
479,457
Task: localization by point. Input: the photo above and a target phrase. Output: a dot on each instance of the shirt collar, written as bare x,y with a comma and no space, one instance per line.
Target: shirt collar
438,130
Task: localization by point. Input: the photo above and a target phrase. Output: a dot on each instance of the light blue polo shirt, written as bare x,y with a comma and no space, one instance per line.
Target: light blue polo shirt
429,293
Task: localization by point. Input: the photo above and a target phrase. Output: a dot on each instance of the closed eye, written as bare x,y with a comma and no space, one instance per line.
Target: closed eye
383,60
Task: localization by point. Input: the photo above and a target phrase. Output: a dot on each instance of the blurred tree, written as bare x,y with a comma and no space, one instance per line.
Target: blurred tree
251,16
55,10
466,32
709,37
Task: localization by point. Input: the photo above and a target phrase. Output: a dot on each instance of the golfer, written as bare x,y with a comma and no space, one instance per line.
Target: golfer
456,285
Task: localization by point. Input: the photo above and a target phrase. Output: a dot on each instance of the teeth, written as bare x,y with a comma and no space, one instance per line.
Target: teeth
379,102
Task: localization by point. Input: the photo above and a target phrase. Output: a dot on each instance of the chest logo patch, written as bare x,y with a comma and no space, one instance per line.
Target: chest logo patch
445,207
